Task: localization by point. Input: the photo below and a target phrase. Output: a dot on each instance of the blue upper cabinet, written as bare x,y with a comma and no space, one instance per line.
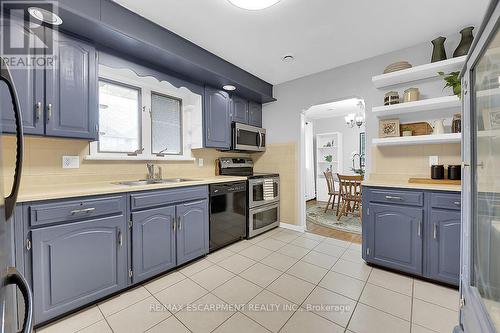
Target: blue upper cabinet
240,109
71,90
255,114
153,242
396,237
217,112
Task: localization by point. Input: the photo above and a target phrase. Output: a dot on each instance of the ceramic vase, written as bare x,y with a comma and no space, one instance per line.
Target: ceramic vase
465,43
438,51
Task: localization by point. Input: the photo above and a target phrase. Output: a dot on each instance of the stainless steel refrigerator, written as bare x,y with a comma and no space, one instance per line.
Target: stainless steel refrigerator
480,247
11,281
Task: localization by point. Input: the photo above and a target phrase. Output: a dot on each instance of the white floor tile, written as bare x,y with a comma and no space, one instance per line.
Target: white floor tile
237,291
396,282
241,324
123,300
164,282
308,322
343,284
330,305
293,251
271,244
387,300
270,310
356,270
330,249
74,322
419,329
212,277
237,263
239,246
439,295
180,294
305,242
306,271
434,317
370,320
99,327
352,255
219,255
138,317
196,267
285,236
310,235
170,325
261,275
291,288
337,242
279,261
320,259
255,252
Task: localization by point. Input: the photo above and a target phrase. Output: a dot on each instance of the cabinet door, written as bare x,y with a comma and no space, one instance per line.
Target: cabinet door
192,231
29,85
444,246
255,114
240,109
77,263
153,242
396,237
217,119
71,90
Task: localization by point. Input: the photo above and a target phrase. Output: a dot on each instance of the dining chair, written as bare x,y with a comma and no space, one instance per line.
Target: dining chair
350,191
332,192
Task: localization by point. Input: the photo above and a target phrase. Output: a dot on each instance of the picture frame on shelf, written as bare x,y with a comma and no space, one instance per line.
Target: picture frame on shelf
491,118
388,128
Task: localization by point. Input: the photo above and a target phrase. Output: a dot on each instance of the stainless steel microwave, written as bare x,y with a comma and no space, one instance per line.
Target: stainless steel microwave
249,138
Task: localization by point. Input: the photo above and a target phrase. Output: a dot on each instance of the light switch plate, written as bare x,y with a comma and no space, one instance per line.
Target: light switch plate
433,160
200,162
71,162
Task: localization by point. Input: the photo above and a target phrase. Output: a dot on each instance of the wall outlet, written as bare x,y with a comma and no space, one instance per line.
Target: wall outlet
433,160
71,162
200,162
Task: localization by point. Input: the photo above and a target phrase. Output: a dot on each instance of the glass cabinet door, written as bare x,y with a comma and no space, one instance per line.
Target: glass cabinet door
485,229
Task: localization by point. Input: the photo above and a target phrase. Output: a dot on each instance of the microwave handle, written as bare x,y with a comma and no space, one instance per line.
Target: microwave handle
259,144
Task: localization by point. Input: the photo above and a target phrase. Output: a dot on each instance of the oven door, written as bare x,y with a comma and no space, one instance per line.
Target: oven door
259,194
263,218
250,138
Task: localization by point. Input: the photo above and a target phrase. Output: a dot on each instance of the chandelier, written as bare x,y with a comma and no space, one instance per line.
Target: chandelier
358,118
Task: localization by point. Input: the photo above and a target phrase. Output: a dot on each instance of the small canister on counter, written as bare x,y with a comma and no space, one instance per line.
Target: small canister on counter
437,172
454,172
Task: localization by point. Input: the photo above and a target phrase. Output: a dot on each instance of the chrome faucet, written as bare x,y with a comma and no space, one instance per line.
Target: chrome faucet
151,172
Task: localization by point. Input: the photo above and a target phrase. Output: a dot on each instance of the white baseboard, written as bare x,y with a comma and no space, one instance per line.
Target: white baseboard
299,228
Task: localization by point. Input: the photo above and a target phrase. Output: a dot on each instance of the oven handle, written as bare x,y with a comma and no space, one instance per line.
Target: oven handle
264,208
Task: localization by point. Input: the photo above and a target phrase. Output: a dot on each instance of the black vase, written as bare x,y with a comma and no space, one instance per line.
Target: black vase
438,52
465,43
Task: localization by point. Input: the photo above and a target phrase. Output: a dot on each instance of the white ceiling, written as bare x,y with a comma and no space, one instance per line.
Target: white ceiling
321,34
334,109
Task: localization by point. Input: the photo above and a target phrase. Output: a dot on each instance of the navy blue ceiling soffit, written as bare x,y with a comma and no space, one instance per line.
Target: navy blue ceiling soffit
118,30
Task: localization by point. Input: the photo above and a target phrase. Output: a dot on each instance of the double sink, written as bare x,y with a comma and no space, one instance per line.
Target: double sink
143,182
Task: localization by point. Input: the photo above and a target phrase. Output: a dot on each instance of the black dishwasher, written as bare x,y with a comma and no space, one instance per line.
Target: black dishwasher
228,207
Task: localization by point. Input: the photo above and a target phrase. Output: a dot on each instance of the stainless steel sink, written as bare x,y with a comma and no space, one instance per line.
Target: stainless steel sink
143,182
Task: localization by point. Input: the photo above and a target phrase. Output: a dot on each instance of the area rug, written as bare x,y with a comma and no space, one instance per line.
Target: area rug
316,214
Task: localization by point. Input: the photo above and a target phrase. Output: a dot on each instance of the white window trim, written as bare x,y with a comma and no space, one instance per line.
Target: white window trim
191,114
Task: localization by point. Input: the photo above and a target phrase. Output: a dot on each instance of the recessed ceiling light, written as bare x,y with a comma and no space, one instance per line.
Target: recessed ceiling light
288,58
229,87
45,16
254,4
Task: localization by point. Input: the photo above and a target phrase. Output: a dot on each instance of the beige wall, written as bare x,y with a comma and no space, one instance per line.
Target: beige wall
43,163
281,158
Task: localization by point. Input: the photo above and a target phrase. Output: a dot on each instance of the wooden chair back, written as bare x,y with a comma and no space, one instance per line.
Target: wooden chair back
329,181
350,185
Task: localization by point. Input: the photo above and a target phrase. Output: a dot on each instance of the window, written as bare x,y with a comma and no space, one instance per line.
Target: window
119,123
166,125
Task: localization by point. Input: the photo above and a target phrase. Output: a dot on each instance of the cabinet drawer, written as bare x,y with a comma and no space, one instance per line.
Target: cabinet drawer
413,198
66,211
166,197
446,200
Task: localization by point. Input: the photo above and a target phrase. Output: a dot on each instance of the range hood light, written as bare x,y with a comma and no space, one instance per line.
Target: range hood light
229,87
45,16
254,4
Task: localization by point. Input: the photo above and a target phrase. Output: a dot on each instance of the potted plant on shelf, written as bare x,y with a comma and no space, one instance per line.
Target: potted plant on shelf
329,158
453,80
407,131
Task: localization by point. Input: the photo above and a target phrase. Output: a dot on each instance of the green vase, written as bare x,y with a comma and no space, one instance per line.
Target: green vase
438,51
465,43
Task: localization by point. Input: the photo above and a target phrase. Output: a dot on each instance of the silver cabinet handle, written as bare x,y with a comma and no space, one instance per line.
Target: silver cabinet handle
38,111
79,211
419,231
390,197
120,238
194,203
180,223
49,112
457,203
28,244
174,223
434,231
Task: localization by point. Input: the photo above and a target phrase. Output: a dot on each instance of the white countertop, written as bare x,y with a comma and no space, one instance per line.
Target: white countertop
406,184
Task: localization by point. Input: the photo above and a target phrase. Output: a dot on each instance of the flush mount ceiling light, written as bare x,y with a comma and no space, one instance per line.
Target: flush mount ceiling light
254,4
229,87
45,16
288,58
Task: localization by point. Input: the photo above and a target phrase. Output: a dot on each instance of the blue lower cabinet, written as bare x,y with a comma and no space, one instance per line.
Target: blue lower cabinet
153,242
192,230
396,237
78,263
444,246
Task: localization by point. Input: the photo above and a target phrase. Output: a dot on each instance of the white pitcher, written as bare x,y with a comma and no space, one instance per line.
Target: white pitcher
438,127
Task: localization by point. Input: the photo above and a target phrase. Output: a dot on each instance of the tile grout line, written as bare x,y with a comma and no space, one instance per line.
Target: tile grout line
105,319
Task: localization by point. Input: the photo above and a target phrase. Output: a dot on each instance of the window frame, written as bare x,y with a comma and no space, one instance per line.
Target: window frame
181,123
139,115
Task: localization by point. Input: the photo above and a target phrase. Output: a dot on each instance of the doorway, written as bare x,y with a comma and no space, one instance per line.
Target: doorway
333,145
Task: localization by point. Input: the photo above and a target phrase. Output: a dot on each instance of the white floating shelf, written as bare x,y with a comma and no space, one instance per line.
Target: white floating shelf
446,102
418,72
419,139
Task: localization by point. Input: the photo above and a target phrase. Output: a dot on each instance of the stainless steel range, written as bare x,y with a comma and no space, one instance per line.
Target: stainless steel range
263,194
